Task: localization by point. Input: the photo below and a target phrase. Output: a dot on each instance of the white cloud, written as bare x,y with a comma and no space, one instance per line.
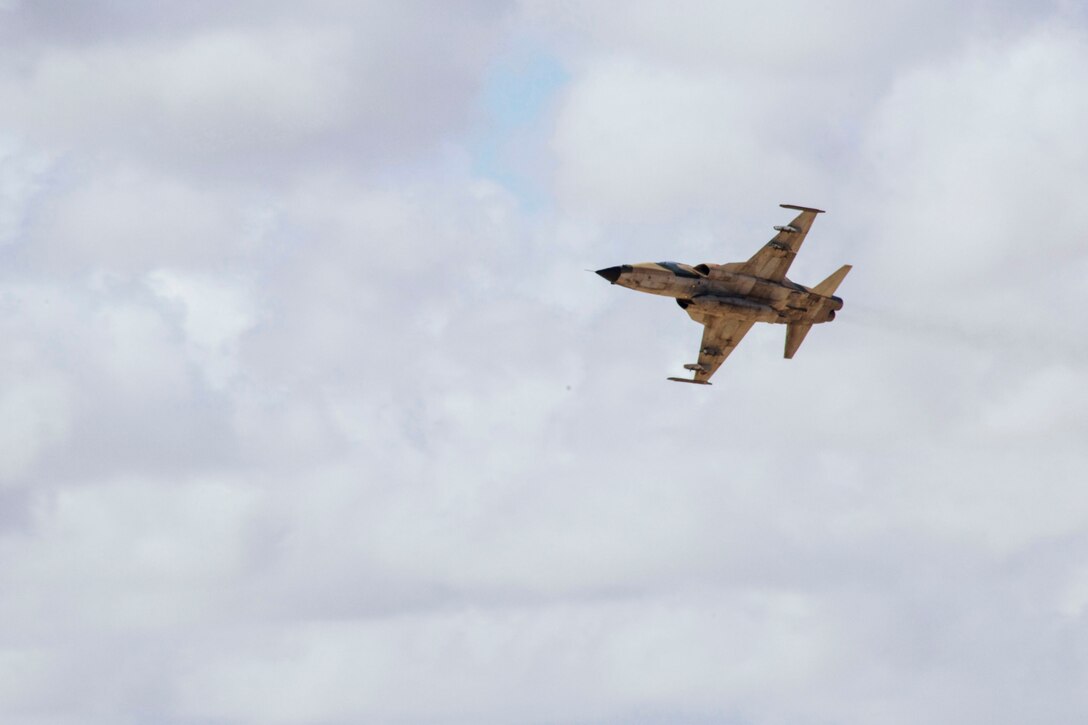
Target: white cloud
215,313
592,655
251,96
87,583
1047,405
21,179
636,142
220,92
35,414
988,142
124,220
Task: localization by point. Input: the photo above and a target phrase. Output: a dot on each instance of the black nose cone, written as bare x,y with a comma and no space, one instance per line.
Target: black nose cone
610,273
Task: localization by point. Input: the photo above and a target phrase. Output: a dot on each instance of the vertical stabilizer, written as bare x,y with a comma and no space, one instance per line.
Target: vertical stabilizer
829,285
795,335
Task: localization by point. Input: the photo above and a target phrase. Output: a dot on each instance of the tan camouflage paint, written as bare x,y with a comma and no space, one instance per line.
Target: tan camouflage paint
727,299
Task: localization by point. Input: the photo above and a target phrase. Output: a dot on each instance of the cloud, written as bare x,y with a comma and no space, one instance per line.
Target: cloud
1044,406
248,93
216,312
674,142
35,412
995,124
304,421
21,179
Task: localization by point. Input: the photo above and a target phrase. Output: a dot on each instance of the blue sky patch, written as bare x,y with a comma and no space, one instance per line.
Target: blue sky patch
517,93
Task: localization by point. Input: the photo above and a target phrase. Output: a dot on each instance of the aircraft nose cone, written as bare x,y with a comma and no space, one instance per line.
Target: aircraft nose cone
610,273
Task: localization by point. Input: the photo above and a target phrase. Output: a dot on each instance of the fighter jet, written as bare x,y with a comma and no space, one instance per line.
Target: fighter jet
727,299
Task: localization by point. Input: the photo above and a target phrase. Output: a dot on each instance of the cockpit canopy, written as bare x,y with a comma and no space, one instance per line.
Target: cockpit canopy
680,270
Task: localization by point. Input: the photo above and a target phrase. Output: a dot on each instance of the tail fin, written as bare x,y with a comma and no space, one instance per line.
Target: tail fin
796,331
829,285
795,335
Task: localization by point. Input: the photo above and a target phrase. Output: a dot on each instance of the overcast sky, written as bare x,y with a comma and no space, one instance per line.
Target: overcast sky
309,412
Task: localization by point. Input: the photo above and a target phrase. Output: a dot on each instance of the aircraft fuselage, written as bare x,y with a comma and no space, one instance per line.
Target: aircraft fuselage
705,291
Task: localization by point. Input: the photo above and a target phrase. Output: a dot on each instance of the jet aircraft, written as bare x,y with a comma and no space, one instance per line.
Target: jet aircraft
727,299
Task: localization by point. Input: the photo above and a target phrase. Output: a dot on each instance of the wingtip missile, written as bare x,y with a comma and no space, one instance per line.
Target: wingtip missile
802,208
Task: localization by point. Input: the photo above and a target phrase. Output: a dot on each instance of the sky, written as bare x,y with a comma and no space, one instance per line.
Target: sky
309,412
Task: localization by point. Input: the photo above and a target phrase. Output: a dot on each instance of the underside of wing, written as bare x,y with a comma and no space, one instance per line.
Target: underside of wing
773,260
720,337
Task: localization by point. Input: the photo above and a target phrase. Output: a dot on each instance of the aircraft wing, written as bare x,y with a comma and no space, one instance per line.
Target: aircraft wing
720,337
774,259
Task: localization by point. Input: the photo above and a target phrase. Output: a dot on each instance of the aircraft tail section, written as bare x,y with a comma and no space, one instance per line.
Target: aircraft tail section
829,285
795,335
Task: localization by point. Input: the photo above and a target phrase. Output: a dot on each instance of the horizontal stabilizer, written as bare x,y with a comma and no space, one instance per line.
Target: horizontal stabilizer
829,285
795,335
693,382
